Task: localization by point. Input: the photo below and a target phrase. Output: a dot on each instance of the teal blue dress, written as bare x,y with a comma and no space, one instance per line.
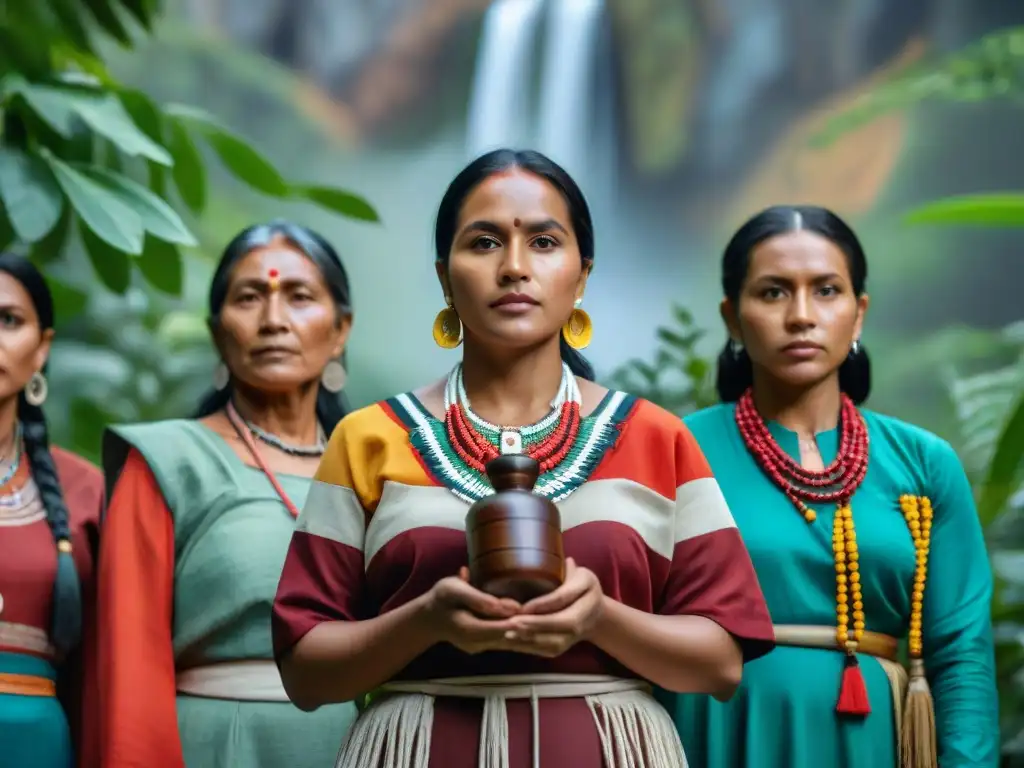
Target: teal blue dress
783,715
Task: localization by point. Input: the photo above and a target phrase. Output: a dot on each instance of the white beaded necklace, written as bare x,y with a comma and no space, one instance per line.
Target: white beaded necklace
511,439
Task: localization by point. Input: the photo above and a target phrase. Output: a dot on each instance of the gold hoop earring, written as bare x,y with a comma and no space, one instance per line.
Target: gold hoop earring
448,328
578,329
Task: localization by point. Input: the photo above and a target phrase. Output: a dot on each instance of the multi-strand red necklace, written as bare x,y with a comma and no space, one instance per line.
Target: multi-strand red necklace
836,483
476,442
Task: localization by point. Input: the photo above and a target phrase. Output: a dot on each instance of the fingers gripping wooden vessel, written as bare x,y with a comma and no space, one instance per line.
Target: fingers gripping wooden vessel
515,536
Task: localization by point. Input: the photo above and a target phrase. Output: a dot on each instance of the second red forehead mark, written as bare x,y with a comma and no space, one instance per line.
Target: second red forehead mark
516,223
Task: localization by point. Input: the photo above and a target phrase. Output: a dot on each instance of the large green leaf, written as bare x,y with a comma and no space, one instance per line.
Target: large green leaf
1005,468
68,302
105,13
51,247
6,231
146,115
240,158
142,10
30,194
113,266
188,172
161,265
157,216
50,104
337,200
994,209
69,15
26,36
102,211
103,112
107,116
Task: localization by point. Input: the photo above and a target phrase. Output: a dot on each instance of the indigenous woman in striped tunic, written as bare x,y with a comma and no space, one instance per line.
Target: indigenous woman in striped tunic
200,516
50,502
374,595
862,529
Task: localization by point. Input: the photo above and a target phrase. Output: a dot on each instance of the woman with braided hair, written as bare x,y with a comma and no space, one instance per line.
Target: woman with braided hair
49,510
862,529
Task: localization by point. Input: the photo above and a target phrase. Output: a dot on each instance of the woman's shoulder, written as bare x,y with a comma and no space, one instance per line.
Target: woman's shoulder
153,432
384,420
75,468
651,418
81,482
186,458
908,441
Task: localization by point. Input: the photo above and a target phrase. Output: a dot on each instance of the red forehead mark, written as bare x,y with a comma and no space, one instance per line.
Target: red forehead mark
272,274
516,223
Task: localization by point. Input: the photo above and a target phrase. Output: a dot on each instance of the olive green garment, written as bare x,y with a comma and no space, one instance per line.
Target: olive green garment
231,535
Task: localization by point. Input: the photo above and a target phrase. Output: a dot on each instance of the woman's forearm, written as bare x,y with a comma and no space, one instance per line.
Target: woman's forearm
339,660
683,654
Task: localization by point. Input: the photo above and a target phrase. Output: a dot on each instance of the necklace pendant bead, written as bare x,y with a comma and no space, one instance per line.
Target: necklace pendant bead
510,441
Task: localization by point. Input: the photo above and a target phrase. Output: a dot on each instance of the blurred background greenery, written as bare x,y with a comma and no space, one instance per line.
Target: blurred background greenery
138,137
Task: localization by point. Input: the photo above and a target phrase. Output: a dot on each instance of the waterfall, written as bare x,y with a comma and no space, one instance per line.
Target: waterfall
566,112
563,119
500,105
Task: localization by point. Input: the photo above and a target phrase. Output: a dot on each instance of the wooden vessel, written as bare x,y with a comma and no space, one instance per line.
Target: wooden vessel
515,536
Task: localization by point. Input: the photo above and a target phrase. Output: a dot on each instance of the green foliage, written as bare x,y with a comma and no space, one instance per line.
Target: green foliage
101,180
993,67
989,408
75,141
991,209
678,379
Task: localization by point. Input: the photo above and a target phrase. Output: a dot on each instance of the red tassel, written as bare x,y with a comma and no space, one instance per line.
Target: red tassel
853,695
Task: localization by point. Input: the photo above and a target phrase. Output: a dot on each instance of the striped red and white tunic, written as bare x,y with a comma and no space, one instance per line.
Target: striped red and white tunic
381,526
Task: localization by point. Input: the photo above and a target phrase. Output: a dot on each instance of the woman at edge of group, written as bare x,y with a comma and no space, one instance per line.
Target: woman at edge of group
199,519
375,596
50,503
862,529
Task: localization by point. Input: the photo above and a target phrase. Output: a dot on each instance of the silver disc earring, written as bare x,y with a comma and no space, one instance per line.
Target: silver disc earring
735,347
37,389
855,347
333,377
221,375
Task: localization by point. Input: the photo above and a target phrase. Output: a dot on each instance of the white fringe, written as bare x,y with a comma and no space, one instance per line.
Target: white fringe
394,732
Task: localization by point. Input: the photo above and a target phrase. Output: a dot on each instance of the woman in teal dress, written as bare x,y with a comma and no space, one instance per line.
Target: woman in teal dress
200,516
862,529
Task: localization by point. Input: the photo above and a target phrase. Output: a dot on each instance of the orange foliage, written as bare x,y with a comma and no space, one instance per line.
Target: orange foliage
849,174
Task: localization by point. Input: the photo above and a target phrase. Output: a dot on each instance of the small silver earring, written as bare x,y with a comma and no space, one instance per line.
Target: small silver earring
333,377
735,347
855,347
221,375
578,303
37,389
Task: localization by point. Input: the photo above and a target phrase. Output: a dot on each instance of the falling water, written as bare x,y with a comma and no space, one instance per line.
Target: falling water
566,112
565,124
499,108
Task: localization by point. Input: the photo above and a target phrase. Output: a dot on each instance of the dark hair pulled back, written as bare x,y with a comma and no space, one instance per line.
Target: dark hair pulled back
501,160
330,407
735,371
66,623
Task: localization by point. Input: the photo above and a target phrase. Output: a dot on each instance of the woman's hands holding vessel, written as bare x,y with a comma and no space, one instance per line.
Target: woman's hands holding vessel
474,621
